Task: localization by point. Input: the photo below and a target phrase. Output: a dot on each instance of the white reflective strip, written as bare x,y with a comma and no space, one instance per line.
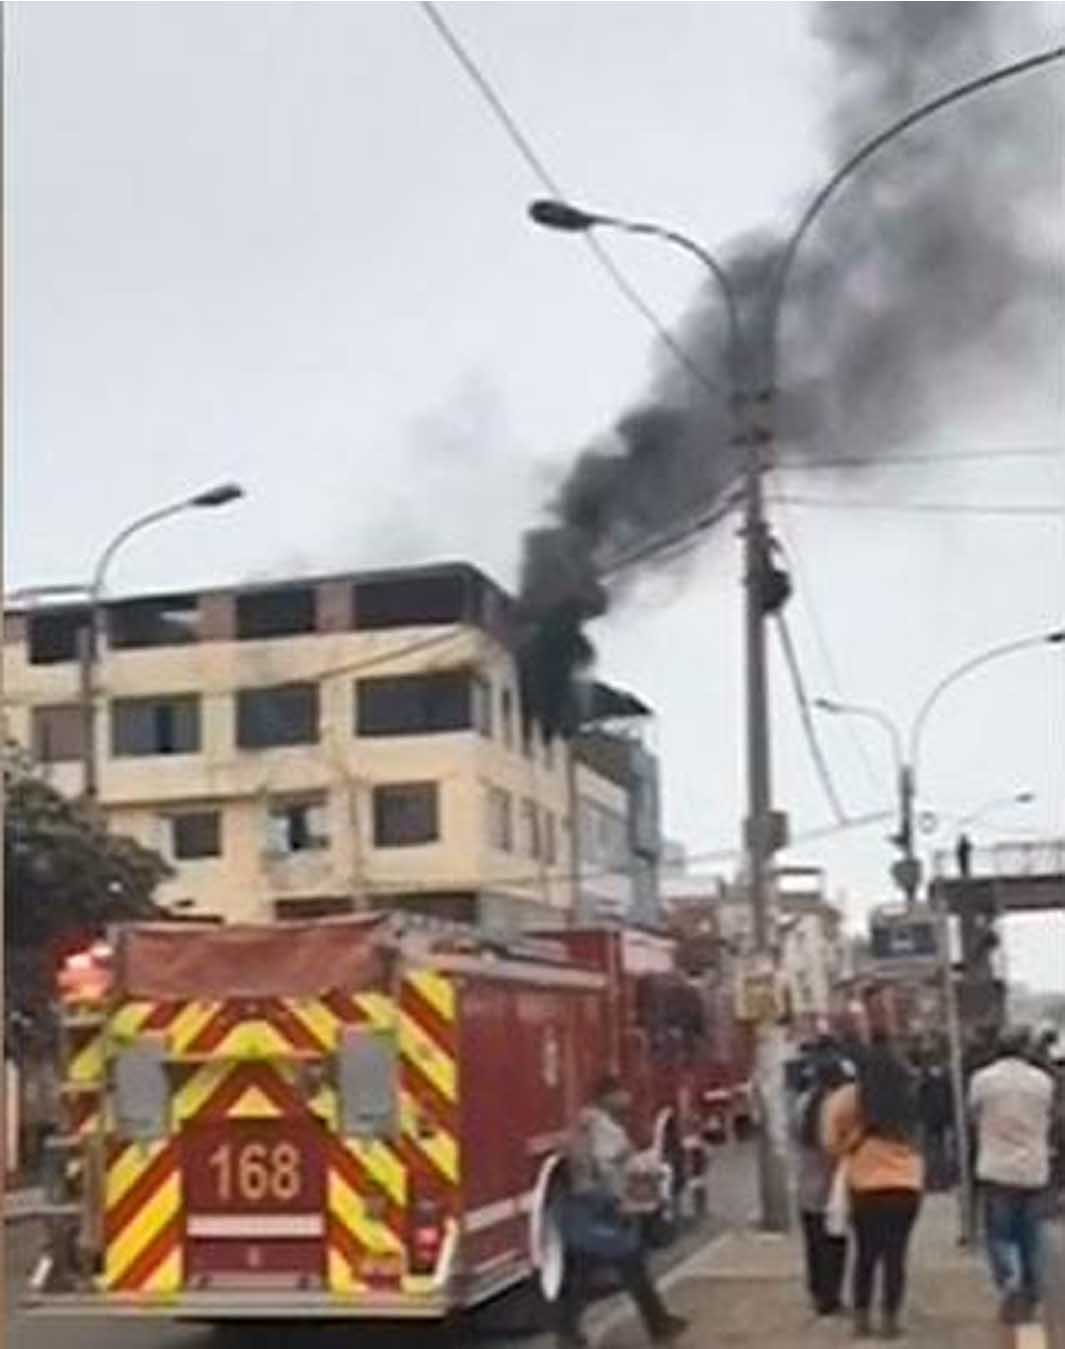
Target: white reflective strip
491,1215
265,1225
1031,1337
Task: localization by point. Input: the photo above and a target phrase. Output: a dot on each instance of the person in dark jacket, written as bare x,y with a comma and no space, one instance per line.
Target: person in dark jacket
826,1255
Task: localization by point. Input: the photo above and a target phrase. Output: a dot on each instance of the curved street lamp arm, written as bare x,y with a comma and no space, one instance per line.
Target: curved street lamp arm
709,262
866,151
966,668
100,573
871,714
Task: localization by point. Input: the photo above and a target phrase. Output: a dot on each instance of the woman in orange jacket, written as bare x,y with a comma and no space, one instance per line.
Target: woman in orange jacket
871,1126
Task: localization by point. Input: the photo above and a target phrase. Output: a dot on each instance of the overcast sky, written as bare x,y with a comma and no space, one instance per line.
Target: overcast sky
287,244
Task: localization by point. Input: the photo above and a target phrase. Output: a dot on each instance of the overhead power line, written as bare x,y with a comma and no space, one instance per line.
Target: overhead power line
817,754
904,460
547,179
918,507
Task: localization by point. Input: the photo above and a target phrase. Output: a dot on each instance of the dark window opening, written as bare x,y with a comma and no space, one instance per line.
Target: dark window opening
414,704
155,726
508,718
276,613
54,637
284,715
327,906
298,826
173,620
196,833
410,602
58,733
406,814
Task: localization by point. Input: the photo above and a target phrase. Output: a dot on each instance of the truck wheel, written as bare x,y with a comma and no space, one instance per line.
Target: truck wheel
550,1270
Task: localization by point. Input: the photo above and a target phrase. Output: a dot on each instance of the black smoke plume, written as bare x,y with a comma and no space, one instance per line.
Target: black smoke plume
936,254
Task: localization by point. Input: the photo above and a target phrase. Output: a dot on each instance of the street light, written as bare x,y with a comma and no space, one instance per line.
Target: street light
89,637
753,397
989,807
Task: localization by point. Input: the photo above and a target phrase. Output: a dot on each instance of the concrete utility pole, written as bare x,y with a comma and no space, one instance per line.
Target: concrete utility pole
753,385
91,634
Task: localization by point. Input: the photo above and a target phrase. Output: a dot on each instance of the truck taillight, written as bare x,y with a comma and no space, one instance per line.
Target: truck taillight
425,1235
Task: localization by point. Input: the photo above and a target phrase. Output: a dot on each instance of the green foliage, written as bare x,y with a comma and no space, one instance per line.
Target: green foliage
65,879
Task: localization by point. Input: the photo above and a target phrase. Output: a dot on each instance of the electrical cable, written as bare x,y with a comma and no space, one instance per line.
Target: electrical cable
903,460
820,635
817,753
547,180
919,507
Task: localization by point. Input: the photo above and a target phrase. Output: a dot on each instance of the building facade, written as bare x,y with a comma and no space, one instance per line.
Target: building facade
313,746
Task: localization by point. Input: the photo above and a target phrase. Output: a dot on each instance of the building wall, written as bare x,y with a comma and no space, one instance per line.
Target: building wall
247,880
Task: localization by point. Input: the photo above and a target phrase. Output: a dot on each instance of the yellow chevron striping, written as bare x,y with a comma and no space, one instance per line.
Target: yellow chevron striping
437,991
253,1104
326,1105
341,1276
349,1207
87,1065
253,1040
316,1018
127,1021
149,1220
128,1168
384,1166
378,1008
168,1276
189,1022
426,1055
440,1148
190,1098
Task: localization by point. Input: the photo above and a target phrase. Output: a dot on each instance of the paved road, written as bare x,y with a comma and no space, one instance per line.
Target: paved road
505,1325
1056,1284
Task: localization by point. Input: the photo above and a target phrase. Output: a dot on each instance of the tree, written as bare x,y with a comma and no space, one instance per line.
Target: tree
66,878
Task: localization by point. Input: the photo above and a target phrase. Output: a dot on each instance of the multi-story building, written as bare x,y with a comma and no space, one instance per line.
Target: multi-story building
317,745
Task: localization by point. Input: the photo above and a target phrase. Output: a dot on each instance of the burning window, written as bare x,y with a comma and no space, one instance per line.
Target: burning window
58,733
411,601
141,726
195,834
499,819
276,613
414,704
406,814
286,714
53,637
298,826
173,620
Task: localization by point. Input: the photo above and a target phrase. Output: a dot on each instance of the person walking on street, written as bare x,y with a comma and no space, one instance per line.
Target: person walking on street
826,1255
872,1128
937,1123
600,1223
1011,1102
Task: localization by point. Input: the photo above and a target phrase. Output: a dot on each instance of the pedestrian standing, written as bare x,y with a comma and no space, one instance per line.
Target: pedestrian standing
937,1124
1011,1102
872,1128
600,1226
826,1254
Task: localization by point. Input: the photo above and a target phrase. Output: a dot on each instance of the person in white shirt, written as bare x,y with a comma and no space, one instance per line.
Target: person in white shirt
1012,1105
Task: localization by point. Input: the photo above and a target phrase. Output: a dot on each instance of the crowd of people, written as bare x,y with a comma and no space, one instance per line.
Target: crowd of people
875,1128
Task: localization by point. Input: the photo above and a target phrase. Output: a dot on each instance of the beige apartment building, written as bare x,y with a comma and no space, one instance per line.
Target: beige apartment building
314,746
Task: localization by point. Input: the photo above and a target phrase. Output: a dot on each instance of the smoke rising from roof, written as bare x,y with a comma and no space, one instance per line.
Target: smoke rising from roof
936,261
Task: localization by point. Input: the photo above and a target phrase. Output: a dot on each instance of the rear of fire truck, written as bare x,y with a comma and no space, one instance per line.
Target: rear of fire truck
258,1125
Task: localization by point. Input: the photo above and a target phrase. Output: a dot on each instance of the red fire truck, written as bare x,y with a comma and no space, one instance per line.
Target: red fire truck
352,1117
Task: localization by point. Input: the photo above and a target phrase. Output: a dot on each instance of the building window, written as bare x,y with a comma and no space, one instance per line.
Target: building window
276,613
406,814
499,819
172,620
550,839
195,833
58,733
549,753
508,718
530,819
417,704
297,826
155,725
411,601
483,692
52,638
284,715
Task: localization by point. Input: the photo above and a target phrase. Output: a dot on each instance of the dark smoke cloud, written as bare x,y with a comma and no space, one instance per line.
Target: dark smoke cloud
938,253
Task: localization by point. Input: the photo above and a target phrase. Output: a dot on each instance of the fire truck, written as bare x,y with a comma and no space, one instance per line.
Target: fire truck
359,1117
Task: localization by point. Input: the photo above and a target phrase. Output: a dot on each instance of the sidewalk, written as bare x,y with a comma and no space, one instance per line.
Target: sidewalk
745,1291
